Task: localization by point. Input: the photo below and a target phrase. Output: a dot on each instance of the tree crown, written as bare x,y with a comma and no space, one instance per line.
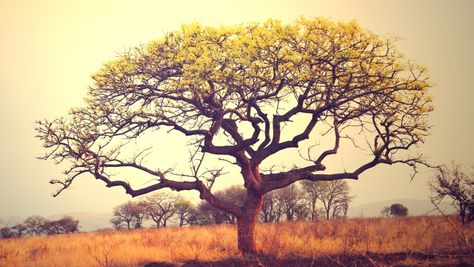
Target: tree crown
232,90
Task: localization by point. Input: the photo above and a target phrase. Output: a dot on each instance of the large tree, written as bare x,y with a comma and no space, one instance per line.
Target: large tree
231,91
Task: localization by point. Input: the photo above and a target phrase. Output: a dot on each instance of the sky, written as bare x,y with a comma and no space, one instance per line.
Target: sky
49,49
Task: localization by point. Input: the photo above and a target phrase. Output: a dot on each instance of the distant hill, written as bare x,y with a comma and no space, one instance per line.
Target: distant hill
415,207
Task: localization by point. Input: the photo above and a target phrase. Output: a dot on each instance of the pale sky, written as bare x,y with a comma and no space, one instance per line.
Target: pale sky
49,49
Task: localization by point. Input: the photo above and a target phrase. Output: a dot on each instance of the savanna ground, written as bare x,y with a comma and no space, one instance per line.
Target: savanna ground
410,241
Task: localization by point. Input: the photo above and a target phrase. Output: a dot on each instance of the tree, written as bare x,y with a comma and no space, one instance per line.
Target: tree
65,225
35,225
130,215
68,225
311,191
229,196
233,195
7,232
335,198
231,91
271,211
193,216
398,210
209,214
184,210
289,202
385,211
454,183
161,207
20,230
51,227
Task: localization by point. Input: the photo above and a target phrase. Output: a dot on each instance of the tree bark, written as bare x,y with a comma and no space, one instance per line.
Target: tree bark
246,222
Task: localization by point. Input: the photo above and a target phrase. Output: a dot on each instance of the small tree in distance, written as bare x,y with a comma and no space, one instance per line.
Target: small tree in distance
335,198
395,209
35,225
129,215
271,210
245,94
160,207
398,210
385,211
458,186
38,225
184,211
312,191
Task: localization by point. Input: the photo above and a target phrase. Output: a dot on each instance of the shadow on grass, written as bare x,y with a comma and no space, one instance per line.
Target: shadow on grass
394,259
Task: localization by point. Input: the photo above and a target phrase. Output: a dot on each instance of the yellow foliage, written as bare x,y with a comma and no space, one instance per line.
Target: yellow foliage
256,54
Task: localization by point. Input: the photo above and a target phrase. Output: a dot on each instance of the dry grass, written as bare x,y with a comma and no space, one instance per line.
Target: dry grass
433,235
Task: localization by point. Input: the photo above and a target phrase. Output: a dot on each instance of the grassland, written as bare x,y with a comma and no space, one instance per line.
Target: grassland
411,241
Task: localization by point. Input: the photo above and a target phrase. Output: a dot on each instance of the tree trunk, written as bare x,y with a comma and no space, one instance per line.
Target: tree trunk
246,224
313,209
462,213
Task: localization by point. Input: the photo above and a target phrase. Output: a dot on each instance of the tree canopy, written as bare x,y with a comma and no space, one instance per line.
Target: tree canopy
398,210
232,90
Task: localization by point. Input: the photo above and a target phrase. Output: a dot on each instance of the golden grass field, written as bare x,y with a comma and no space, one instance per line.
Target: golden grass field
307,240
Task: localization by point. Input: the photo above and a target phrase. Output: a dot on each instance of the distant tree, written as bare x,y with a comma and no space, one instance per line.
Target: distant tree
311,191
301,211
398,210
207,214
118,223
35,225
7,232
211,215
286,203
193,216
335,198
68,225
122,215
385,211
129,215
139,213
20,229
235,93
184,211
38,225
160,207
455,184
51,227
290,202
233,195
271,211
341,207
